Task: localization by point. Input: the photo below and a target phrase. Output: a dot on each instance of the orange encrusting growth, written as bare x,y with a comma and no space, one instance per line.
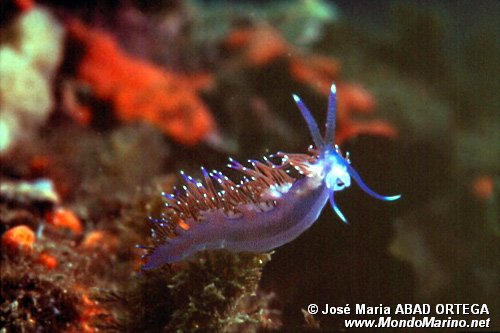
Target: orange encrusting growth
24,5
261,45
19,238
483,187
316,71
63,218
140,91
355,99
47,260
90,312
257,45
100,240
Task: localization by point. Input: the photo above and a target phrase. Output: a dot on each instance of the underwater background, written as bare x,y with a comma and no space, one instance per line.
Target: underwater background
103,102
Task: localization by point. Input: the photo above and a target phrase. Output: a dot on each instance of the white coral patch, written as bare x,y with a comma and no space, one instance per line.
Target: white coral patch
41,38
27,66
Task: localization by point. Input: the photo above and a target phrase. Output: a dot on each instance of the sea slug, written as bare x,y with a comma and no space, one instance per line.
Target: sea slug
271,206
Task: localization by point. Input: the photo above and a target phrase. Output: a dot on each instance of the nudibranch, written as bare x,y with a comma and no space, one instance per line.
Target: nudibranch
268,208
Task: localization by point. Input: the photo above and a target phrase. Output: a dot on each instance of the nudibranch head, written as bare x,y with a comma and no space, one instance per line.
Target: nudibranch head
335,170
336,174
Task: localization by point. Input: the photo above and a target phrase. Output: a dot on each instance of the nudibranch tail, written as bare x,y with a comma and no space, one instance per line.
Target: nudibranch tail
269,207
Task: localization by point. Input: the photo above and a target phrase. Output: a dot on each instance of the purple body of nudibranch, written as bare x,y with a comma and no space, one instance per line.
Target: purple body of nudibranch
253,231
263,212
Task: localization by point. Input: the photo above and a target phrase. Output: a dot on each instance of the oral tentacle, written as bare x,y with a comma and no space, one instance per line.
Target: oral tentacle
354,174
337,209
